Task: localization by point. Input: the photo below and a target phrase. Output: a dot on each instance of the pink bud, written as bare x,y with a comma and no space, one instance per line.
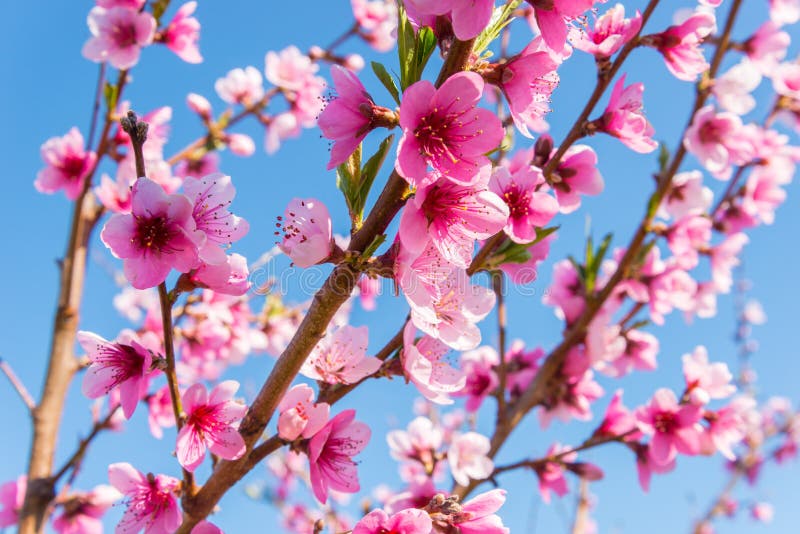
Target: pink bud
199,104
241,144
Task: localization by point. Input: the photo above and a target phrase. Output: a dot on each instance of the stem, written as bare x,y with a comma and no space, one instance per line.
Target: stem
334,292
169,352
62,363
74,461
17,384
582,510
497,287
545,379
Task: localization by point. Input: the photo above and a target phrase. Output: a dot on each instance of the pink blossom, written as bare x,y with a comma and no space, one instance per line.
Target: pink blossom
12,496
231,277
687,195
209,424
210,197
420,442
151,502
646,466
762,511
551,473
241,86
469,17
68,165
83,512
553,16
341,357
618,420
443,128
451,311
158,235
452,216
425,366
350,116
183,32
624,117
566,292
786,80
125,365
724,257
610,33
706,381
409,521
528,208
289,68
527,272
686,237
118,35
577,174
478,514
718,141
674,428
767,47
468,457
680,45
378,21
732,89
521,367
784,11
205,527
641,349
200,105
160,414
300,415
671,288
206,164
579,390
368,290
527,80
115,195
330,453
307,233
726,427
478,366
240,144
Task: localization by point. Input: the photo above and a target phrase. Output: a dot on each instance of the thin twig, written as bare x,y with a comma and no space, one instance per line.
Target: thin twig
497,287
22,391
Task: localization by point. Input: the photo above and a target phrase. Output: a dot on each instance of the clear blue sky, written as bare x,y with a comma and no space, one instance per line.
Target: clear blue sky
48,89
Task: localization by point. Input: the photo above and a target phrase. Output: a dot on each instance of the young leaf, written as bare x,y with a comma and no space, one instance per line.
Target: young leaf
387,80
370,170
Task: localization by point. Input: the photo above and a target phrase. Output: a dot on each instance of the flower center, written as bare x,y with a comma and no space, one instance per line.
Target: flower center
154,234
665,422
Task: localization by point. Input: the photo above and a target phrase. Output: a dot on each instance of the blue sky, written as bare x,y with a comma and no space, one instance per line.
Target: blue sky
48,89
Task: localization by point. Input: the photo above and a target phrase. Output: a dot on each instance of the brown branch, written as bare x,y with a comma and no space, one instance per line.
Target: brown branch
17,384
497,287
547,376
62,363
334,292
77,457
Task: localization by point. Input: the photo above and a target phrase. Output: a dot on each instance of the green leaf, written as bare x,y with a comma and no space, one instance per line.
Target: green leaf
424,46
159,7
501,17
376,242
371,168
405,45
111,95
387,80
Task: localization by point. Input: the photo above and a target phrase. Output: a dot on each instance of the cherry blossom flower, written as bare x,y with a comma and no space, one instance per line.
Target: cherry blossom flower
241,86
552,17
124,364
478,366
646,466
341,357
210,197
210,419
610,33
527,81
307,234
182,34
453,216
450,313
767,47
444,129
350,116
468,457
330,453
410,521
150,499
368,290
528,208
425,366
118,35
574,399
618,420
300,415
706,381
718,141
82,513
686,237
289,68
378,22
680,45
478,516
158,235
420,442
624,117
577,174
732,89
12,496
687,195
68,165
786,80
674,428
